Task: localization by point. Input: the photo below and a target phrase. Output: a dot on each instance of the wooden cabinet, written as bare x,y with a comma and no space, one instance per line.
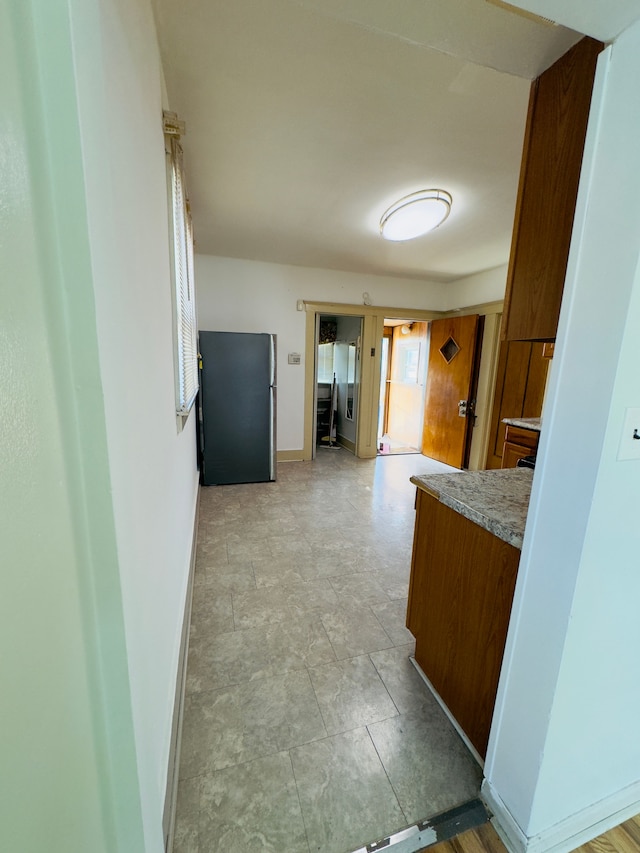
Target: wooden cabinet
520,382
518,442
460,596
551,160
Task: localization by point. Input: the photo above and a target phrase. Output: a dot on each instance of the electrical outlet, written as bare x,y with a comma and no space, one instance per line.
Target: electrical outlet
630,445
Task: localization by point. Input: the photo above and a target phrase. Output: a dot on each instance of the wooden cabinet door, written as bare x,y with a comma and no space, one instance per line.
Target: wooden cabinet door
512,452
552,157
462,583
518,442
520,382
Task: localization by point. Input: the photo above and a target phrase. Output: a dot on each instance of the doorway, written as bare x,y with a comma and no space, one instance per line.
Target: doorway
428,387
404,356
337,381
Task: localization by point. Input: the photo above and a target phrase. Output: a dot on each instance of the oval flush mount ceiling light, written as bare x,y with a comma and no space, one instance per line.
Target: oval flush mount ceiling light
415,214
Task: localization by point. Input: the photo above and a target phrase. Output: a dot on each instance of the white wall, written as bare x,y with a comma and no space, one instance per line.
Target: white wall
486,286
152,463
99,485
564,750
69,776
251,296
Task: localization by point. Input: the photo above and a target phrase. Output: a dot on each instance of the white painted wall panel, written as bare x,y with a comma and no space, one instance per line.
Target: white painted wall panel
152,463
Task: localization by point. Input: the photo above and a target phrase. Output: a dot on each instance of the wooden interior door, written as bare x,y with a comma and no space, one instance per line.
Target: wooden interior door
451,377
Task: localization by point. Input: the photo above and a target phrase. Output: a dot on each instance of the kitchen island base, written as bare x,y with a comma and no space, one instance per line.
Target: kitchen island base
461,590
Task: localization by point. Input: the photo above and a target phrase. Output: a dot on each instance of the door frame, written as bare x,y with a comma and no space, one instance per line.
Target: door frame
358,370
370,365
387,333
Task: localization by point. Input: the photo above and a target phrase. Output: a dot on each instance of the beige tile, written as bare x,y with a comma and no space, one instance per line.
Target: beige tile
278,571
351,694
392,616
186,834
309,597
288,544
345,795
428,765
326,563
257,653
231,577
211,611
400,677
252,808
358,589
209,556
353,632
236,724
259,607
394,582
243,529
245,550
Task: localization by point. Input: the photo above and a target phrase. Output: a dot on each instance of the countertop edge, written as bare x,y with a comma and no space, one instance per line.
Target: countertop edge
502,530
533,424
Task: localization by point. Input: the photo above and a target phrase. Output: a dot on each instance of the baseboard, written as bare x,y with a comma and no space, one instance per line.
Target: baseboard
347,443
562,837
171,794
290,455
450,716
505,825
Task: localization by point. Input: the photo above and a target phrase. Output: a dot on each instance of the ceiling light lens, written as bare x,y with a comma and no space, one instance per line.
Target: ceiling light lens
415,215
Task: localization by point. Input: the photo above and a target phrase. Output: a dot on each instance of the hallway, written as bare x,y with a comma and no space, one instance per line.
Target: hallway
306,727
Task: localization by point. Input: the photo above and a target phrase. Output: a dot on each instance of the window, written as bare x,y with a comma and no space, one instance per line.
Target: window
325,363
185,327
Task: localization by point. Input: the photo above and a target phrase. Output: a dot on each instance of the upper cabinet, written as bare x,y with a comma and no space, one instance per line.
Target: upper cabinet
551,160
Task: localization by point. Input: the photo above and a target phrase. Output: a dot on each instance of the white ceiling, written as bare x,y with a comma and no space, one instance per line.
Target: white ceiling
307,118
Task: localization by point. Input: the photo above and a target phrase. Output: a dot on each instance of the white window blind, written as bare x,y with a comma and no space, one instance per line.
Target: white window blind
185,326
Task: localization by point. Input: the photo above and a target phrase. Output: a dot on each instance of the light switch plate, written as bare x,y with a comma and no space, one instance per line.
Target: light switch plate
294,358
629,446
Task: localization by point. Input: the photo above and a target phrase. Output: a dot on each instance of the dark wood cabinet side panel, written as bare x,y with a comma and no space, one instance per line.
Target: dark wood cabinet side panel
460,608
558,115
494,451
536,382
514,388
520,382
423,533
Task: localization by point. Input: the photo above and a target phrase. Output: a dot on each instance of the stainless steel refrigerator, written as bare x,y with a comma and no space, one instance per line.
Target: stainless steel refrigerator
237,407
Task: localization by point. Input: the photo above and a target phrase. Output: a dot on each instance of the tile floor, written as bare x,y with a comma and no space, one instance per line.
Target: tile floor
306,728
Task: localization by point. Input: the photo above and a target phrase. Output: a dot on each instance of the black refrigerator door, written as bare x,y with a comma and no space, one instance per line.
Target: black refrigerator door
236,399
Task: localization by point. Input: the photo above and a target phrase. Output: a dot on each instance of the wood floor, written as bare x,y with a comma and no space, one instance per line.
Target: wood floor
484,839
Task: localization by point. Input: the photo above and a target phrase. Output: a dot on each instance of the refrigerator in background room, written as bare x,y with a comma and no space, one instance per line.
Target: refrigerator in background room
237,407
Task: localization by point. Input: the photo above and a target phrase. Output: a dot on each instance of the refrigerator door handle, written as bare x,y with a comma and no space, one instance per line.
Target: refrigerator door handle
272,430
272,341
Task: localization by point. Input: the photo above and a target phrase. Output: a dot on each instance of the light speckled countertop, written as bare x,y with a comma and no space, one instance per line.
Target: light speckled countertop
496,500
524,423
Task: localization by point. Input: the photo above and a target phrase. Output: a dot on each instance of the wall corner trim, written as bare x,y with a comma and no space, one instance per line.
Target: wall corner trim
565,836
503,821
